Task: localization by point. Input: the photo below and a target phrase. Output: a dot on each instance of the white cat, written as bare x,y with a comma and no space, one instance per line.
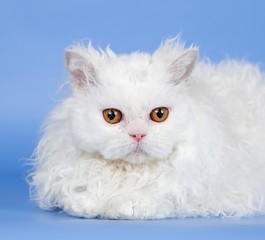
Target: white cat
154,136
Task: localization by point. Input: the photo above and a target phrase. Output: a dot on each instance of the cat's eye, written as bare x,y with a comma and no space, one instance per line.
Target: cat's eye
112,115
159,114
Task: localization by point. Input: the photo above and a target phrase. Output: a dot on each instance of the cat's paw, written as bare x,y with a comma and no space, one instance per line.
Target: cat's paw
81,207
133,209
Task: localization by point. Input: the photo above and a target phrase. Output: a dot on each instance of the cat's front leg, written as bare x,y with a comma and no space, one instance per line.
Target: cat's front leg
132,207
81,205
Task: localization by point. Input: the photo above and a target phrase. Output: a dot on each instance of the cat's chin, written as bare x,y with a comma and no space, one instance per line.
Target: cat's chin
135,158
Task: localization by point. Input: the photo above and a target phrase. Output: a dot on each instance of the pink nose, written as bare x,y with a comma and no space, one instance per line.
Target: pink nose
137,137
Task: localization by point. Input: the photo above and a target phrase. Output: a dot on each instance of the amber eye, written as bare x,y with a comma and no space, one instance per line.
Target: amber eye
112,115
159,114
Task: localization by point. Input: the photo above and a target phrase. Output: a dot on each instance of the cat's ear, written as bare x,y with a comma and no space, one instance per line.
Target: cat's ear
81,71
183,66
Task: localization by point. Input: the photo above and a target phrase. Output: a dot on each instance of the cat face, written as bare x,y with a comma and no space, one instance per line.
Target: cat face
128,107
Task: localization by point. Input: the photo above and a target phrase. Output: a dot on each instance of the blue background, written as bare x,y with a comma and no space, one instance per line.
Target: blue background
33,35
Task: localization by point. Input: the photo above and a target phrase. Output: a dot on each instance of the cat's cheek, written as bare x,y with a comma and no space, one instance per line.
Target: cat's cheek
123,122
150,122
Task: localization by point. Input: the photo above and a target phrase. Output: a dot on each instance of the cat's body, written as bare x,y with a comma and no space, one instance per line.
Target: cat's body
206,159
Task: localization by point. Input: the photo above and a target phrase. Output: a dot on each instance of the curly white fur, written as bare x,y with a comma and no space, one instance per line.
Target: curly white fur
206,159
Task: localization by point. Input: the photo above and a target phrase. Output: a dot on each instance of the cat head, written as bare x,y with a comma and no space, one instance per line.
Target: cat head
130,107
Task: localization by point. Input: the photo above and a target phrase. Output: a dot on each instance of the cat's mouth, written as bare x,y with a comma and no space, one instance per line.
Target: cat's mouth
138,149
137,154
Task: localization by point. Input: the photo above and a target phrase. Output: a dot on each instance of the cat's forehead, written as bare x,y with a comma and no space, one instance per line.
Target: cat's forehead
134,83
136,98
129,69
